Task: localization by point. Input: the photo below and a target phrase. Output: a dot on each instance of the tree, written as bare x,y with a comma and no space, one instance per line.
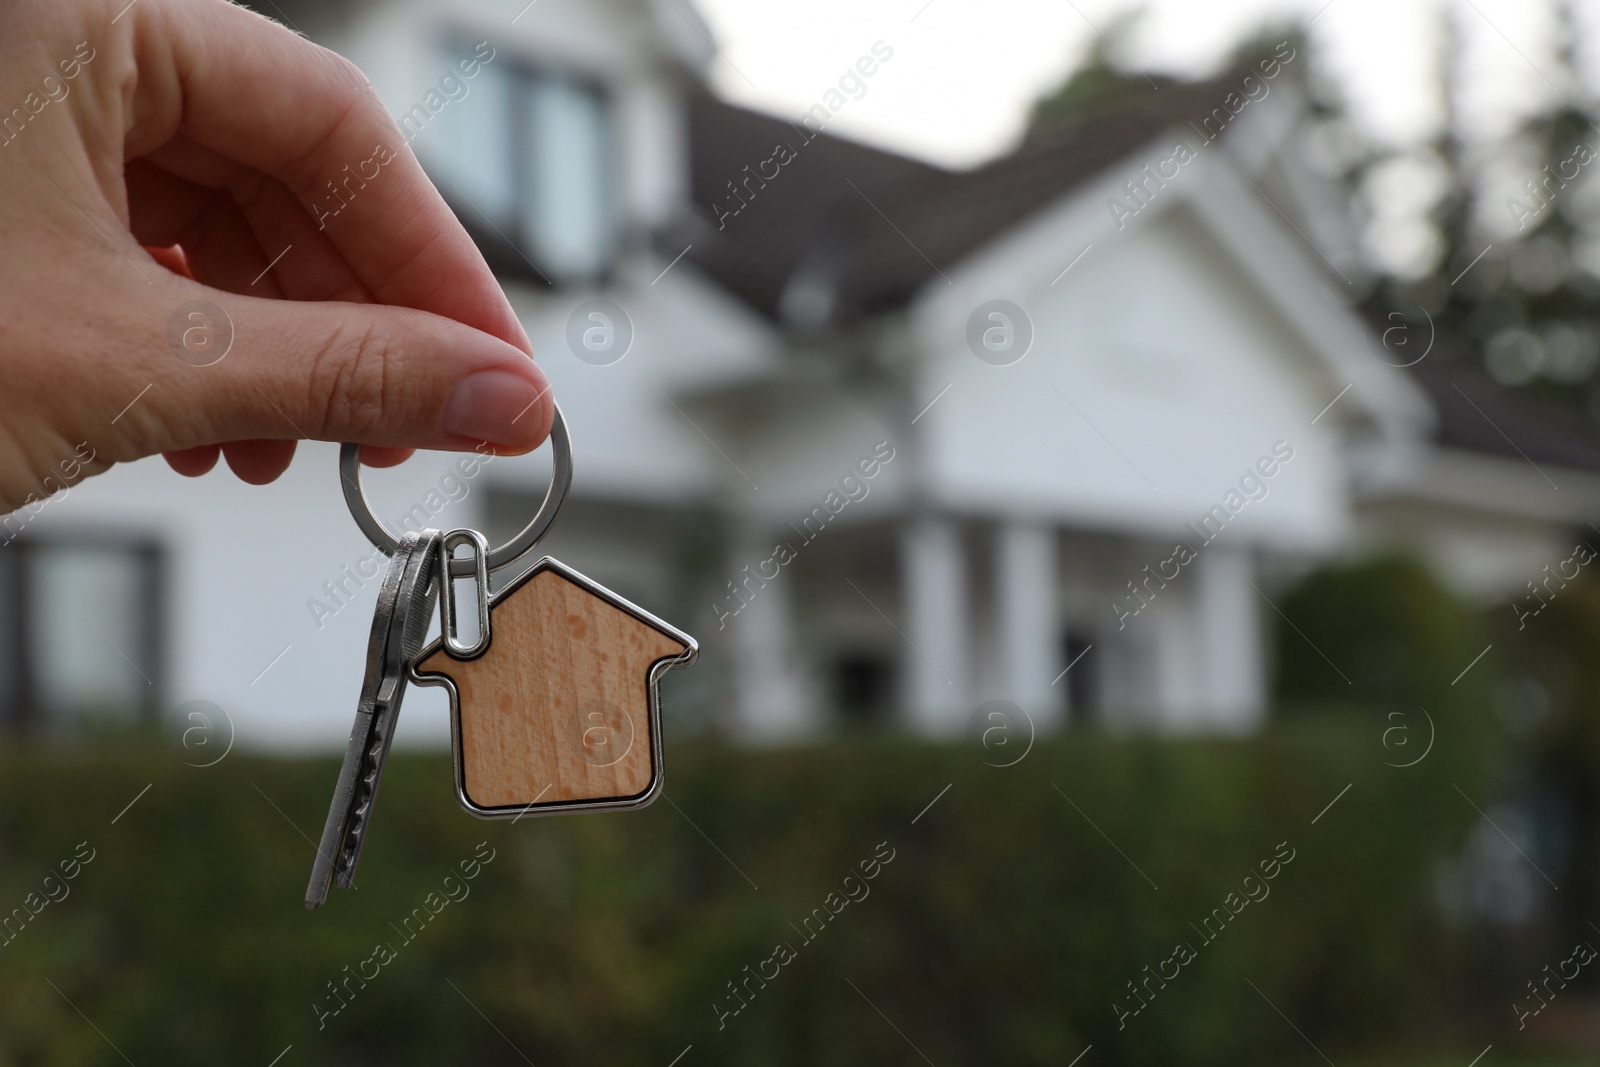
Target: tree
1502,256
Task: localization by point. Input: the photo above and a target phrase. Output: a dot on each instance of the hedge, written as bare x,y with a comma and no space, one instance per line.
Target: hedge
1008,911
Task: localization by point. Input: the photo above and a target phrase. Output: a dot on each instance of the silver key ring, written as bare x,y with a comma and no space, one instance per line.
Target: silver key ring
506,554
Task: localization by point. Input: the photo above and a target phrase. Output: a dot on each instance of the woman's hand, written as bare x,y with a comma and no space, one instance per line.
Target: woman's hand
160,163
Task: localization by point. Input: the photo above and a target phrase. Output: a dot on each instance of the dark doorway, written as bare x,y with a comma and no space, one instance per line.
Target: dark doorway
863,689
1079,682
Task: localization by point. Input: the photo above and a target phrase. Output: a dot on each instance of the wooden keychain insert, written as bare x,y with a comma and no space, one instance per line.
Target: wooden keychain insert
561,711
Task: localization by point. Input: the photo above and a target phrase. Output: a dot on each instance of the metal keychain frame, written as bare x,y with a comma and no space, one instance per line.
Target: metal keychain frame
449,627
652,696
498,558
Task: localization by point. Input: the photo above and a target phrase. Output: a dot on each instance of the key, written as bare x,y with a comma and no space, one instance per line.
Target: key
405,606
413,611
399,625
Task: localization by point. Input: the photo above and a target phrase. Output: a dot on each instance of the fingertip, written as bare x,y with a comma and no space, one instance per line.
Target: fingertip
258,462
546,409
173,259
510,410
384,455
193,462
541,416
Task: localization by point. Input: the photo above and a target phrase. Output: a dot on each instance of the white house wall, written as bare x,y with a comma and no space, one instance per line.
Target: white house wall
1483,556
1155,380
803,441
1488,523
246,564
628,438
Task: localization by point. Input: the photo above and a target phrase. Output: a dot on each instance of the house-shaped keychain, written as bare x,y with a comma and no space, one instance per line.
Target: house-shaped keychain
560,712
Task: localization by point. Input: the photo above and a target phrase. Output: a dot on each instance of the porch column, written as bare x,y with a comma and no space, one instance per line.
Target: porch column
1026,614
1232,667
769,689
934,574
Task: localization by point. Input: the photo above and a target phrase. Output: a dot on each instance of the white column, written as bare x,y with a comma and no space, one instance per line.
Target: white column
1228,611
1026,613
934,576
770,694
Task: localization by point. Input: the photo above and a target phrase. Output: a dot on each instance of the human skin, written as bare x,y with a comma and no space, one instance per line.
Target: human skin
174,165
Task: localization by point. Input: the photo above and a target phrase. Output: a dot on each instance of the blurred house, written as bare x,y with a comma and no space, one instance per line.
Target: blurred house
891,440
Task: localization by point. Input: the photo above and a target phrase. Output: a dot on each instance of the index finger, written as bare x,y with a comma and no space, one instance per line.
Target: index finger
256,93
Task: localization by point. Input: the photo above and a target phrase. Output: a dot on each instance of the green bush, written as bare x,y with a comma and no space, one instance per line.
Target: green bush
1548,706
1001,932
1380,634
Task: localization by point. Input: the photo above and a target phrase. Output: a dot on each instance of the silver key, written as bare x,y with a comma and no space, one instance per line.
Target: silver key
399,625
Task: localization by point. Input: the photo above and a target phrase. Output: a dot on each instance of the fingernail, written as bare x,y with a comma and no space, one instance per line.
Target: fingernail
494,406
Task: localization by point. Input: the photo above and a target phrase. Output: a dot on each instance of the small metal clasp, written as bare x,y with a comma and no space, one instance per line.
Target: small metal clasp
479,562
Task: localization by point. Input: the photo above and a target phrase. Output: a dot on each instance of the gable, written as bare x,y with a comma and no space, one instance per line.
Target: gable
1159,374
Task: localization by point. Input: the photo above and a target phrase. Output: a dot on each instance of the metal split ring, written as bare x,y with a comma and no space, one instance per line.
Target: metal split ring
506,554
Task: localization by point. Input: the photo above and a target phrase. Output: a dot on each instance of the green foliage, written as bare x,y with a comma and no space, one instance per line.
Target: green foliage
1465,1053
1091,90
1382,633
1524,311
1105,80
1552,692
1101,81
1549,706
1001,932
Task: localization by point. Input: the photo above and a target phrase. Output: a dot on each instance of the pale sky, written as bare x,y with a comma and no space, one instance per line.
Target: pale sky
964,71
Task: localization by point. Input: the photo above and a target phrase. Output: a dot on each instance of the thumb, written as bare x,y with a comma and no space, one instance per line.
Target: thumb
238,368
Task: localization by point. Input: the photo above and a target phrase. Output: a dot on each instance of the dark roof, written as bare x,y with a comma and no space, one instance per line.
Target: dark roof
1478,414
871,227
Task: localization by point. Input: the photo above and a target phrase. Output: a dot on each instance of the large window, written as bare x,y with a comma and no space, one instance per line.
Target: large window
80,631
525,156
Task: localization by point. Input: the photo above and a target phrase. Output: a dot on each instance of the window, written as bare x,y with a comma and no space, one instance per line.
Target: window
80,631
525,156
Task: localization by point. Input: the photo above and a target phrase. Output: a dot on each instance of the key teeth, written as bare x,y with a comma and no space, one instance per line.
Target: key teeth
362,802
361,806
